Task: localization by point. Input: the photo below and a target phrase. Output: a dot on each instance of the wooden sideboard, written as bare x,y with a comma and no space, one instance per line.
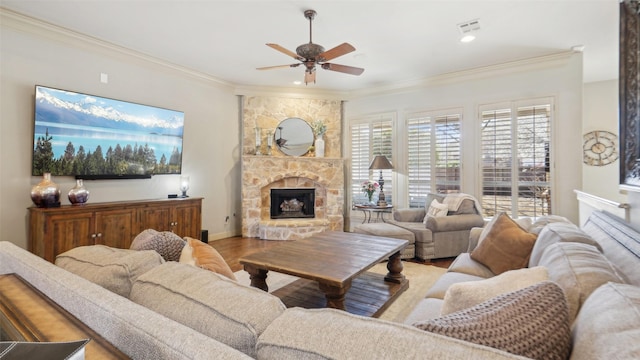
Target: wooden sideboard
53,231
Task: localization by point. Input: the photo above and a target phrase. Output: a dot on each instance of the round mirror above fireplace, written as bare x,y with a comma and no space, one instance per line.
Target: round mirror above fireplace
293,136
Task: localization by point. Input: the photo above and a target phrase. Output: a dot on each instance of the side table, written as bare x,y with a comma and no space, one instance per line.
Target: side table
368,210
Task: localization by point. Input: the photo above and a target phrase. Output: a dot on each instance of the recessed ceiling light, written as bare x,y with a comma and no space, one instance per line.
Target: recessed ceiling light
467,38
297,82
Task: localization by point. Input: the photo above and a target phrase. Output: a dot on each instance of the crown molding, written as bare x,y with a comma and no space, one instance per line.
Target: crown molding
290,92
517,66
75,39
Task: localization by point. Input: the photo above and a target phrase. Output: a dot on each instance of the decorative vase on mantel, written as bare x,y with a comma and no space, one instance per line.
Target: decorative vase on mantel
46,193
79,195
319,146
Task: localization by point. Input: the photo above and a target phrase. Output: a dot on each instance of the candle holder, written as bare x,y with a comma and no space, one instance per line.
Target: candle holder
258,140
269,142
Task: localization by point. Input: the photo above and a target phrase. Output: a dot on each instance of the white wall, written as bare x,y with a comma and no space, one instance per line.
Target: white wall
559,77
601,113
31,54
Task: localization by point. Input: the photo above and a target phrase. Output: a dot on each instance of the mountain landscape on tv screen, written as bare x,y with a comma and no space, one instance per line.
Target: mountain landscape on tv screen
79,134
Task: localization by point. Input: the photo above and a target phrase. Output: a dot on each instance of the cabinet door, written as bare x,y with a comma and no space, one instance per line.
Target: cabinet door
158,218
187,221
65,232
115,228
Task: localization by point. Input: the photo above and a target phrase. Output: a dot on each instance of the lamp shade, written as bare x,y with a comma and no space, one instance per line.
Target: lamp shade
380,162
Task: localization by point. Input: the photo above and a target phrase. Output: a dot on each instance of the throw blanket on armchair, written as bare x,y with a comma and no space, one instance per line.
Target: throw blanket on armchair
453,201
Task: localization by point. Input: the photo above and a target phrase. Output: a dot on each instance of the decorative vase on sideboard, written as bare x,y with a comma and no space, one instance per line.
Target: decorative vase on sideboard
319,147
79,194
46,193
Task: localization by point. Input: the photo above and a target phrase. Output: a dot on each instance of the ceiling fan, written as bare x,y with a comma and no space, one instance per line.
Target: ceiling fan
313,54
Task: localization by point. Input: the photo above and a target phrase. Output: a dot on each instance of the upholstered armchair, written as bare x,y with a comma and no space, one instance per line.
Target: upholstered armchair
446,234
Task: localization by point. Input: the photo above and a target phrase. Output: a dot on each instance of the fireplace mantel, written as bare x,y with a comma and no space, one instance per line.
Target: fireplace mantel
262,173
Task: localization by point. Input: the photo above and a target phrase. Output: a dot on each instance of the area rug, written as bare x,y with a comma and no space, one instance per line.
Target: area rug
421,278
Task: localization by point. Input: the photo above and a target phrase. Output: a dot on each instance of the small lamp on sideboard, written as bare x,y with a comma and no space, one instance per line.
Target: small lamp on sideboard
184,185
380,162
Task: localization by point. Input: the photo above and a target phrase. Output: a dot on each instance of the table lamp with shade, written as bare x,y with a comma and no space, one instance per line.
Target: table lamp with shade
380,162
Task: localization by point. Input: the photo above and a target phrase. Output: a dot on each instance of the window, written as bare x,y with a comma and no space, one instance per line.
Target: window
515,159
434,155
370,137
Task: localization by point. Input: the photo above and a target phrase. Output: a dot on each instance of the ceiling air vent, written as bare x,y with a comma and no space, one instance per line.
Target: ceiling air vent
469,26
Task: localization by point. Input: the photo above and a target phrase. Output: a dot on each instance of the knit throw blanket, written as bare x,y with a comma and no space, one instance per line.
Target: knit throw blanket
453,201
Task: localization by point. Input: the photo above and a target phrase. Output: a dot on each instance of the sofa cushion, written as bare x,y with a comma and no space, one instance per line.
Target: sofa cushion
464,264
210,303
545,220
558,232
504,246
113,269
439,289
607,325
531,322
464,295
199,254
322,334
166,243
427,308
579,269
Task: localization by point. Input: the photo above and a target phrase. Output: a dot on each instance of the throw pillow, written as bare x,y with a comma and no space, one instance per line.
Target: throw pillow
166,243
607,325
464,295
579,269
531,322
112,268
436,209
199,254
506,245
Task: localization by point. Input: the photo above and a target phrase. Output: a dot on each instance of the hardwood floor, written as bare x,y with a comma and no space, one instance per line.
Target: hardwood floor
234,248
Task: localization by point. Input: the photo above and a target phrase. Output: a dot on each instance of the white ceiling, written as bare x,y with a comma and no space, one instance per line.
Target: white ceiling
396,41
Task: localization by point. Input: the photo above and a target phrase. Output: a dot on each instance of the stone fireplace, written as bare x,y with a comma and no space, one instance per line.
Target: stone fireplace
262,174
261,116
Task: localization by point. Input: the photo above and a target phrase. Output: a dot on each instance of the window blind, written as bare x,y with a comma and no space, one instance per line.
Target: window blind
515,160
433,155
368,139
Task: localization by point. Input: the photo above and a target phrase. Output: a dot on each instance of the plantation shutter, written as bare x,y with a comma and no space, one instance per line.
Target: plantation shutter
360,153
433,150
515,160
447,149
419,160
368,139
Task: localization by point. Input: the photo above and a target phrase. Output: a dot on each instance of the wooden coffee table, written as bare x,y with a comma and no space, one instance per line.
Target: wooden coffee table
334,262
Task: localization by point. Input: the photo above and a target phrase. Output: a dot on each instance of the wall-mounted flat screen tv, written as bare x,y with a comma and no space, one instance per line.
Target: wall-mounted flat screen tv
92,137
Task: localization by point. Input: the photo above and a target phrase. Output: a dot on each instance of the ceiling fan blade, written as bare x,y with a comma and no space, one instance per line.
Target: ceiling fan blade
277,67
285,51
339,50
309,77
343,68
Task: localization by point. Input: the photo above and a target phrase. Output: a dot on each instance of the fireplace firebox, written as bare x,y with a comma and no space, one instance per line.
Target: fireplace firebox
293,203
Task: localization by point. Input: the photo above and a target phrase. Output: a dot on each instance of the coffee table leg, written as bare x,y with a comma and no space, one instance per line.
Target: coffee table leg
335,295
258,277
395,269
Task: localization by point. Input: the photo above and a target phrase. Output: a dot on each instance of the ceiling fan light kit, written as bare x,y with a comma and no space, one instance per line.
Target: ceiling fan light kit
312,55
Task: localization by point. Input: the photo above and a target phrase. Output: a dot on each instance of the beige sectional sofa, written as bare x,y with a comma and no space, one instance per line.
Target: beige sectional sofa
176,311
